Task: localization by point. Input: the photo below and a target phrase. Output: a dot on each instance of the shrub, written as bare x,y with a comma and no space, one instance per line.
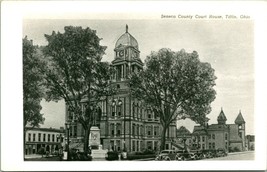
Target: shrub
148,152
133,157
112,156
41,151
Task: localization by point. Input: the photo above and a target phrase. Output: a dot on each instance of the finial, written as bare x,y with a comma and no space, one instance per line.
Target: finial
221,109
126,28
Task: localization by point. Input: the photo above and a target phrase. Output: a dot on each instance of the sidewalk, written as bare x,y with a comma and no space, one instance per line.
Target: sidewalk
243,152
34,156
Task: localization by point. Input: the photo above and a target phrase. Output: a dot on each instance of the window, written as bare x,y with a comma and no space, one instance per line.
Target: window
70,116
155,145
137,130
75,130
48,137
240,134
44,139
149,116
113,110
209,136
203,146
39,137
209,145
226,136
118,129
112,129
137,110
226,145
133,129
149,145
156,131
213,145
118,86
70,130
133,110
141,130
213,136
149,130
33,137
119,110
29,137
133,145
137,145
203,138
53,137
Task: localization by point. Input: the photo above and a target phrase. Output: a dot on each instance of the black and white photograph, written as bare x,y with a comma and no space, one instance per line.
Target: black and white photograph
169,87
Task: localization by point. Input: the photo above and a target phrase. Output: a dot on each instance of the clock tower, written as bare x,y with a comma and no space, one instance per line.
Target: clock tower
127,57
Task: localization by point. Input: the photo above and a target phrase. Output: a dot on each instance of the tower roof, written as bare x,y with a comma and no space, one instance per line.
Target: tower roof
221,117
239,119
126,40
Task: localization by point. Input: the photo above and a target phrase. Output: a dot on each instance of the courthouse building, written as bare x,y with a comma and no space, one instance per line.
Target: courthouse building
125,122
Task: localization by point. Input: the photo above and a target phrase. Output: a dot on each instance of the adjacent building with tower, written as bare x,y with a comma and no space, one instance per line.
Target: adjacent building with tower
231,137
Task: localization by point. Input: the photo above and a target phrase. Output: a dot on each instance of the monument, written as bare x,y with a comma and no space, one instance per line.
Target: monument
94,143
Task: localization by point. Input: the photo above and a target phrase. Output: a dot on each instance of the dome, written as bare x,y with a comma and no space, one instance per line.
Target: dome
127,40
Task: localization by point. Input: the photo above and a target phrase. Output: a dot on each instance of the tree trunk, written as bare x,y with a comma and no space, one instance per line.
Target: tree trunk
86,139
163,137
24,142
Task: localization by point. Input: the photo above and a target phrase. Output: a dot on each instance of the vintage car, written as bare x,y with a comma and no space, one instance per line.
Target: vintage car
166,155
183,155
221,152
196,154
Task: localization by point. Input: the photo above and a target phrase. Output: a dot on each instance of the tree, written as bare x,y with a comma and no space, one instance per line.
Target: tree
176,85
75,72
32,85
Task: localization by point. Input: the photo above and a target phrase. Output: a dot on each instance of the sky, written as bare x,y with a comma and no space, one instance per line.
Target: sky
226,45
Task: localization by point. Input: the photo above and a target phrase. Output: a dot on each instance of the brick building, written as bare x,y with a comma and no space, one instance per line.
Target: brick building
220,135
125,122
47,138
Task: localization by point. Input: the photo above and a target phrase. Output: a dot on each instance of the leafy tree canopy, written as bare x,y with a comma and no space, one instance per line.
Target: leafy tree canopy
177,85
32,85
75,72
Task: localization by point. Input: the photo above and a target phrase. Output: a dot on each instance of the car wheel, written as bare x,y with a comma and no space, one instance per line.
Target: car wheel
167,158
177,158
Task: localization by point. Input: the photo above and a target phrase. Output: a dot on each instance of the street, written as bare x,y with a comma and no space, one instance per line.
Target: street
249,155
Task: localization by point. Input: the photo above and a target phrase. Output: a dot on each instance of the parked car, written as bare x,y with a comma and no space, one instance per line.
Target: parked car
166,155
196,154
221,152
183,155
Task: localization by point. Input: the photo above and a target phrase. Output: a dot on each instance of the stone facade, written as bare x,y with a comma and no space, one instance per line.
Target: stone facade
125,122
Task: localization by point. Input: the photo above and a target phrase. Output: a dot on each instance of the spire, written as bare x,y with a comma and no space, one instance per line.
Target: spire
126,28
221,118
239,119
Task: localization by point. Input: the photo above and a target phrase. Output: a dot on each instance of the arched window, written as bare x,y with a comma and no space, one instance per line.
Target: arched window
133,108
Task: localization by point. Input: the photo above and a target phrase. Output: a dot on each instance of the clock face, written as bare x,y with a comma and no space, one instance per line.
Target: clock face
121,53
